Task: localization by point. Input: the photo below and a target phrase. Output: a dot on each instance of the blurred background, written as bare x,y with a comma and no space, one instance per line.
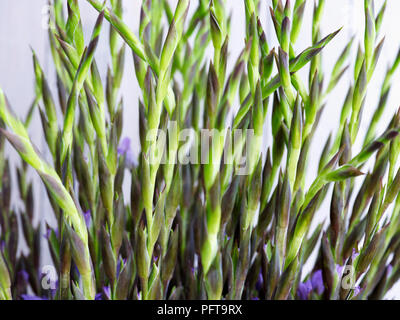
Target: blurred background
23,28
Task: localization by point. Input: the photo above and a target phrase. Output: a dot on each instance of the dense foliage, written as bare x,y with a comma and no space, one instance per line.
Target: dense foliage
203,229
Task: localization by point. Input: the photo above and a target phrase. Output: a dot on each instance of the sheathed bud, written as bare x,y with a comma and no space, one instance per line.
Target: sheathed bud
5,282
286,281
214,279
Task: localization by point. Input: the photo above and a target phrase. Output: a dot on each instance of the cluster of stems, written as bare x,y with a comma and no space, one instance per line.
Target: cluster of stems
209,229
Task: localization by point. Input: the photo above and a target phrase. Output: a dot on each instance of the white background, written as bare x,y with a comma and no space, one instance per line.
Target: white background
21,27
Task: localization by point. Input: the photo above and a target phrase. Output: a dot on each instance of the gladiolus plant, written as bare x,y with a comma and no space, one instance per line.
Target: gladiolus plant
214,211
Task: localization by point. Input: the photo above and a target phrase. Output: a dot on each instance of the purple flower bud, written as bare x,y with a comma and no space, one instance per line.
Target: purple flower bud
119,265
317,282
259,282
24,275
48,233
125,146
31,297
155,259
76,269
54,291
339,269
125,149
357,290
389,269
104,293
354,254
88,218
107,292
304,290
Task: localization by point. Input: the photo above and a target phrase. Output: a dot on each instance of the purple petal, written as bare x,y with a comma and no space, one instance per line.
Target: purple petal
389,269
354,254
76,269
48,233
31,297
317,282
304,290
24,275
88,218
120,266
54,291
99,296
339,269
357,290
107,292
125,149
260,281
155,259
125,146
